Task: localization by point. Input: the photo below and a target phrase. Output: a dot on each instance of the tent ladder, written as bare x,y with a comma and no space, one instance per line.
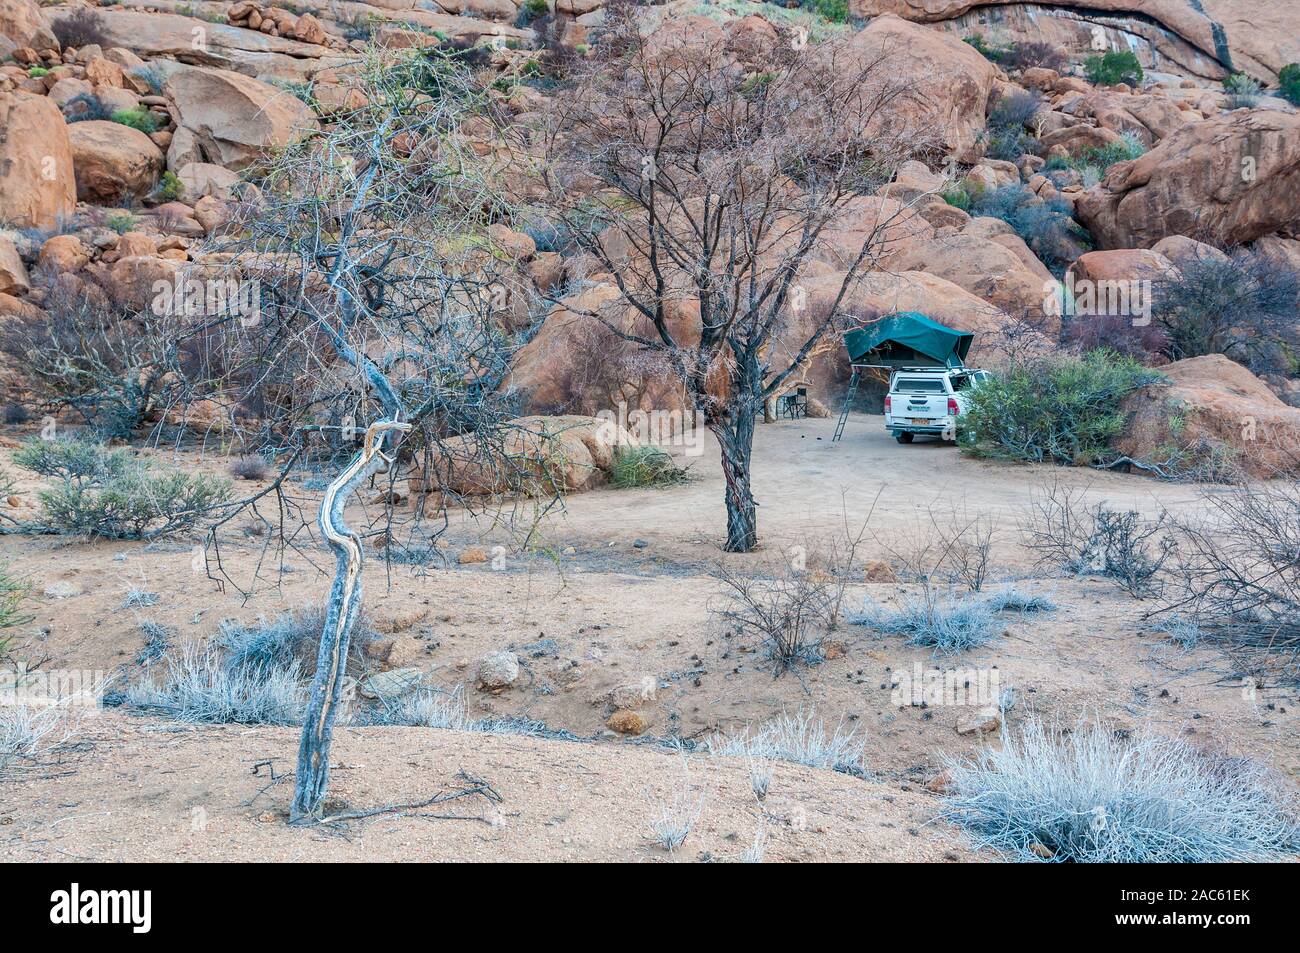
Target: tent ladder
848,402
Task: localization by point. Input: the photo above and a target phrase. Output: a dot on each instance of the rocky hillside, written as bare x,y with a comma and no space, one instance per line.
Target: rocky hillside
130,134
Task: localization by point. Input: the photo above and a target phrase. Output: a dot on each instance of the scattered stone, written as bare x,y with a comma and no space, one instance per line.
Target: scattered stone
632,694
498,671
401,621
981,722
63,589
878,571
391,684
627,722
941,783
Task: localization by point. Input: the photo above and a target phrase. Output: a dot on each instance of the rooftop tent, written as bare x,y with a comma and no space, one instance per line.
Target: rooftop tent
908,339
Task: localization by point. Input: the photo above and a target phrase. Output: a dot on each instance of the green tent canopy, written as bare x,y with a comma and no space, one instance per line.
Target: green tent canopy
908,339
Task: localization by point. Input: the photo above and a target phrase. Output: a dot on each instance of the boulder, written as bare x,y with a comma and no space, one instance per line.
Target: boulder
1213,407
1198,37
203,178
308,29
37,184
511,243
63,254
1229,180
948,83
984,268
134,244
22,24
162,37
1179,247
544,455
891,226
133,281
751,39
211,213
13,274
498,671
1125,264
112,162
235,120
101,71
1080,138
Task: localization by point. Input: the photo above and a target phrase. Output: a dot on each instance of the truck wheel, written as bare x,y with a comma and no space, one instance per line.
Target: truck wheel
904,437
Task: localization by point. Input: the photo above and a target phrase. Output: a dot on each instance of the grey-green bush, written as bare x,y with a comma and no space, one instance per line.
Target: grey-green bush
1087,794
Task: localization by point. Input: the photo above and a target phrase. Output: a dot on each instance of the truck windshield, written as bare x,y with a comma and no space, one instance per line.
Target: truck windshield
919,385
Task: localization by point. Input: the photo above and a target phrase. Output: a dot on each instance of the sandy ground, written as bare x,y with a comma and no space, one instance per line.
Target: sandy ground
612,587
190,793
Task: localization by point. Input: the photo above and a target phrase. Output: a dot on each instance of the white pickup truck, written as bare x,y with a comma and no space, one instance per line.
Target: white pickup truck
928,400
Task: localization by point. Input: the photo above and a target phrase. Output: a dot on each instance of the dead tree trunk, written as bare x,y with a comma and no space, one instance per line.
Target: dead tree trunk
312,776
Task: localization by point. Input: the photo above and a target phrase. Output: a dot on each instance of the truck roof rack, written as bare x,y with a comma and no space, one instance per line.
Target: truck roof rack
935,368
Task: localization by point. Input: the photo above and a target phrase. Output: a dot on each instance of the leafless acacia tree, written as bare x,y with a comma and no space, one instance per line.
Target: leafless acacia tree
694,181
376,289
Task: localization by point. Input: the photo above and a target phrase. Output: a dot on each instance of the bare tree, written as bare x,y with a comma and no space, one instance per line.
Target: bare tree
1242,305
696,182
1238,575
376,289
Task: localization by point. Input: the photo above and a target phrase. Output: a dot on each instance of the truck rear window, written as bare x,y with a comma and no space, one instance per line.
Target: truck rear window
919,385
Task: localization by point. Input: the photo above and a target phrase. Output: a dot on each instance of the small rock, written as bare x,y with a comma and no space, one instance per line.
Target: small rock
980,722
393,684
498,670
878,571
639,544
62,590
400,621
379,650
627,722
941,783
632,694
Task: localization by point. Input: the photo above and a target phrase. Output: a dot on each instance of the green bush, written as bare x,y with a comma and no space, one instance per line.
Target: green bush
38,71
644,466
833,11
12,593
1092,163
1114,68
138,118
1242,90
106,494
169,187
73,461
1060,410
531,10
958,196
120,222
139,504
1289,83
